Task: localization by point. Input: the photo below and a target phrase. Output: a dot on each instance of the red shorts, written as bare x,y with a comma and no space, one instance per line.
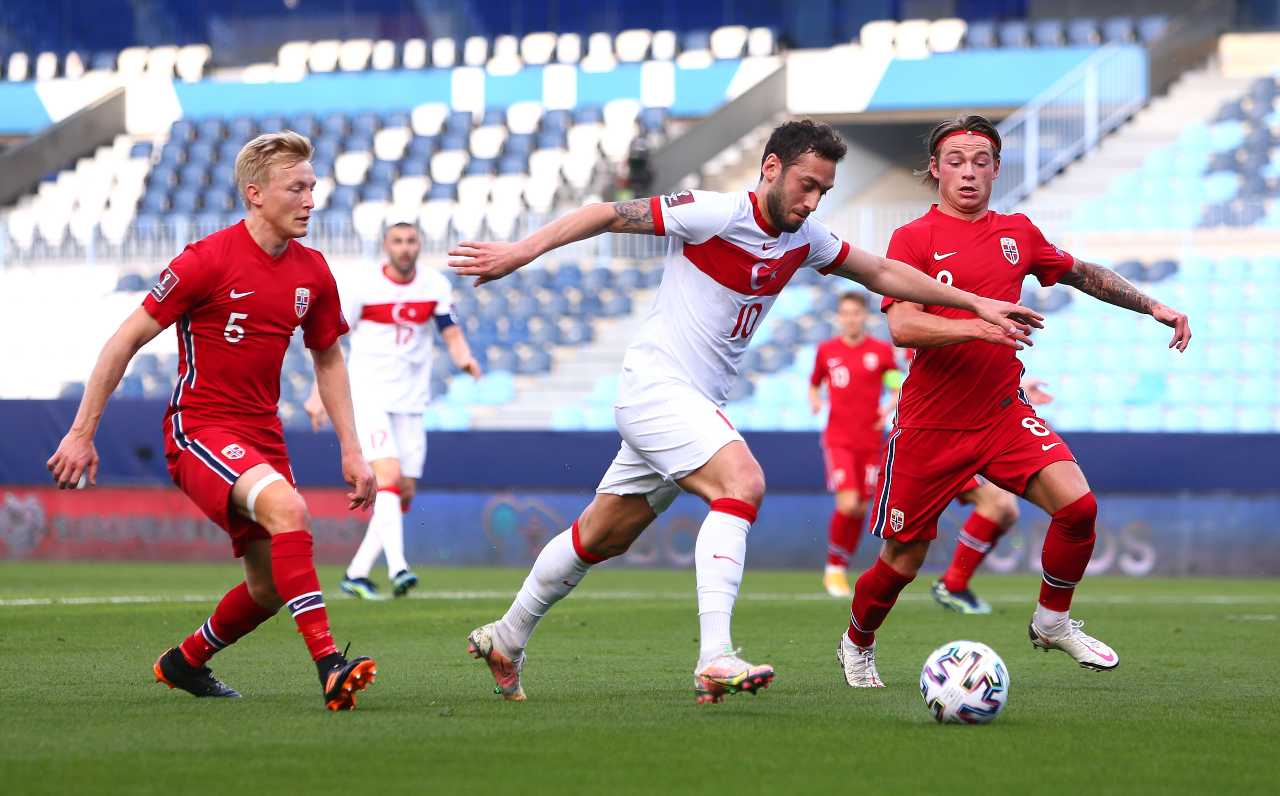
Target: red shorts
924,469
852,470
205,464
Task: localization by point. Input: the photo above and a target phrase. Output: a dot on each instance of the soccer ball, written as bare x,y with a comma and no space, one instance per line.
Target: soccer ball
964,682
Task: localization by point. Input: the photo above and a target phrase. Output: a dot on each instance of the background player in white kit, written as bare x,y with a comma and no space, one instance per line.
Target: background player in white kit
390,311
729,256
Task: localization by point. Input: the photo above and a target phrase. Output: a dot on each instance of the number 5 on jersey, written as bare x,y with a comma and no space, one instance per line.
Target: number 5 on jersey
234,332
748,317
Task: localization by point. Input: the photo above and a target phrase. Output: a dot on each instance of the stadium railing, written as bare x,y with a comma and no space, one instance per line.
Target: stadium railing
1068,119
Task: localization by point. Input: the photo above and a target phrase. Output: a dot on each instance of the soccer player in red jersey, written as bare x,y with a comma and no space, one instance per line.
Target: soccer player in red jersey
856,368
236,297
961,411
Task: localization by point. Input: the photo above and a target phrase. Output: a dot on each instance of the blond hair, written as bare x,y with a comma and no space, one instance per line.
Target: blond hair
253,164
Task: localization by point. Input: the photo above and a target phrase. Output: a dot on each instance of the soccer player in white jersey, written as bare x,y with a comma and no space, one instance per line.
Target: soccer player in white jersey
391,312
729,256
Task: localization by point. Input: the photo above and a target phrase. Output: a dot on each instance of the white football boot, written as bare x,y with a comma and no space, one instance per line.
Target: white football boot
506,672
1086,650
859,664
728,674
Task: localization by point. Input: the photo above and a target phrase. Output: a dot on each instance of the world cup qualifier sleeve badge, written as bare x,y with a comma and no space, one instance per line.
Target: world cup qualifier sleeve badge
1010,248
301,300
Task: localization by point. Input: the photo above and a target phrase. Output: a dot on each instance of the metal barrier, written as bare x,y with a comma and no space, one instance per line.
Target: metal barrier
1068,119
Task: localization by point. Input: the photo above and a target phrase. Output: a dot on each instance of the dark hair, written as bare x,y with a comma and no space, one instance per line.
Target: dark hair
401,225
974,122
791,140
857,298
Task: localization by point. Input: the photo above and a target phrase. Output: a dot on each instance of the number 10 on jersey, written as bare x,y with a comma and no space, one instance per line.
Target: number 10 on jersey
748,317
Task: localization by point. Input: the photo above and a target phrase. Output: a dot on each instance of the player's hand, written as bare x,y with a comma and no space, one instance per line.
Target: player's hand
1181,326
1012,318
1036,392
472,369
487,260
315,410
357,473
1017,339
815,404
75,458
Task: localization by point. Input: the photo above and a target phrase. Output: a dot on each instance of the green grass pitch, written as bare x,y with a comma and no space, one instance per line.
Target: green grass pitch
1192,708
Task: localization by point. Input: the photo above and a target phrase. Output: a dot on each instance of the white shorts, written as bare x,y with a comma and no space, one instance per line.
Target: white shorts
393,435
668,430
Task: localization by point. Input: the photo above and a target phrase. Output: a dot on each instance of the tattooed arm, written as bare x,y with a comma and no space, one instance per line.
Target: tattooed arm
1106,285
492,260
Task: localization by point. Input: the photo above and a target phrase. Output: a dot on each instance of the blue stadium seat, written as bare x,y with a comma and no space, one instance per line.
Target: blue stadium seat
375,192
229,149
415,166
395,119
451,141
130,387
458,123
193,175
494,117
480,167
103,60
1048,33
132,283
519,145
980,35
365,124
653,119
597,278
537,278
1082,32
512,330
523,305
382,171
512,164
630,279
614,304
588,114
182,131
357,142
443,190
243,128
501,358
154,202
1117,30
531,360
568,275
695,40
211,129
542,332
573,331
342,198
72,390
556,121
333,124
1014,33
1151,28
142,149
271,123
421,146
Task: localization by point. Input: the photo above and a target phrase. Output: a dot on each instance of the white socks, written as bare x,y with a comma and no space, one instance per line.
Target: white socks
385,535
1050,621
719,556
555,573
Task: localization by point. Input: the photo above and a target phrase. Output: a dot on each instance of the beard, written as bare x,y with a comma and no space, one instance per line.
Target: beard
778,213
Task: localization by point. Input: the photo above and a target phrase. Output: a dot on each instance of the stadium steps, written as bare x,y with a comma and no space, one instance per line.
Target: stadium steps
1195,97
574,376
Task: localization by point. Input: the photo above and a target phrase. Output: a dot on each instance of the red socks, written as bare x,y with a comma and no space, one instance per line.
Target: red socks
236,615
1067,549
294,572
976,539
842,538
873,597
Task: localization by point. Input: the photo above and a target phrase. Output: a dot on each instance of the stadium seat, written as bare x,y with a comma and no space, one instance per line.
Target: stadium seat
1117,30
632,46
1014,33
664,45
413,54
537,49
728,42
761,42
980,35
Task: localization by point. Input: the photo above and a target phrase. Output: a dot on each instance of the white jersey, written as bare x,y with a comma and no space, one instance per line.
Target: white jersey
724,268
391,336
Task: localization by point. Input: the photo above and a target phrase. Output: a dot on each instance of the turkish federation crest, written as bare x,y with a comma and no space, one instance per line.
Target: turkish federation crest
1010,248
302,300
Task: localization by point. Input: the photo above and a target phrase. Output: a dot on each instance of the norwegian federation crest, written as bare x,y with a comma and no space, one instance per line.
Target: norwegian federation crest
233,451
1010,248
302,300
896,520
870,361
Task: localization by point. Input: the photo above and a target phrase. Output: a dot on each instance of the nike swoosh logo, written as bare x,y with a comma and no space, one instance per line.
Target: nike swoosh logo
767,246
726,558
567,583
236,295
937,256
1051,446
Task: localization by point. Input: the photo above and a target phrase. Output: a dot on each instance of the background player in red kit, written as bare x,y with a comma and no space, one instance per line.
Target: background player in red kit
236,297
962,412
856,368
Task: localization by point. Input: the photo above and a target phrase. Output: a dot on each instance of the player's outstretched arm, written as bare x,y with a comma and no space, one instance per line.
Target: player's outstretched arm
911,327
901,281
1106,285
490,260
460,351
76,456
334,388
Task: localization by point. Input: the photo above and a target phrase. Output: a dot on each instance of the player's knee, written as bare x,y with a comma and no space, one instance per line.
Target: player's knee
748,485
1078,517
265,595
1005,511
284,511
848,504
904,558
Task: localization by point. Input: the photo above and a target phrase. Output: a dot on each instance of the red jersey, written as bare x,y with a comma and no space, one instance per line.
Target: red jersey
236,308
962,386
855,378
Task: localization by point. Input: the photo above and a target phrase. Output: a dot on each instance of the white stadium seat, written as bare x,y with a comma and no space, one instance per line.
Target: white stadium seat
486,142
132,61
114,224
191,62
632,45
444,53
663,47
409,191
584,138
475,51
446,167
945,35
523,117
73,66
474,190
291,60
428,118
367,218
22,226
878,36
501,220
389,142
760,43
508,189
912,39
506,56
46,66
468,221
695,59
540,193
569,48
321,193
435,217
414,55
544,164
161,61
729,41
354,54
349,168
19,66
537,49
579,168
323,56
599,57
383,56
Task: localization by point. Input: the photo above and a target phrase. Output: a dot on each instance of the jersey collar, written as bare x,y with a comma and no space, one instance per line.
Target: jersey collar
390,274
764,225
937,214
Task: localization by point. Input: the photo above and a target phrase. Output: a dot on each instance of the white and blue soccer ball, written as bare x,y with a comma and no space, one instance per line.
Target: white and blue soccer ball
964,682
